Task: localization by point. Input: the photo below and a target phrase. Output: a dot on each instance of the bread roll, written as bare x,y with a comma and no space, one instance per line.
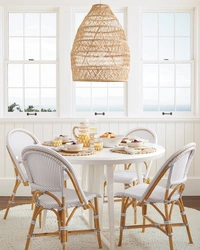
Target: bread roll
108,135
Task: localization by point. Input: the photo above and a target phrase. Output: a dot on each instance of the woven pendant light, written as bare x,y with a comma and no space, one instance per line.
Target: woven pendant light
100,52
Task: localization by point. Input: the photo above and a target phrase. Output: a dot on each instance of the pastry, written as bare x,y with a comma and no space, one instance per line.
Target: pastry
108,135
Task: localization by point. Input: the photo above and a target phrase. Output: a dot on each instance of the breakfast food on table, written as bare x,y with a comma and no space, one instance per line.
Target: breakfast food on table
126,139
64,138
136,141
108,135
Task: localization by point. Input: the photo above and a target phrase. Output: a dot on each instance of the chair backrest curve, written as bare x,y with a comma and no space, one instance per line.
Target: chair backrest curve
177,167
144,133
16,140
45,169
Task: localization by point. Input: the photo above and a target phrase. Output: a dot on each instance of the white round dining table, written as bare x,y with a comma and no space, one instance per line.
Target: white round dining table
95,163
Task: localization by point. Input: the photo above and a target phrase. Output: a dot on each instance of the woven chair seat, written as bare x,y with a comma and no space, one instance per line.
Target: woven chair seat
157,195
125,176
71,199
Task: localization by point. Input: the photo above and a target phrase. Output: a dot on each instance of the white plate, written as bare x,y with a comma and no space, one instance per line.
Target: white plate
71,150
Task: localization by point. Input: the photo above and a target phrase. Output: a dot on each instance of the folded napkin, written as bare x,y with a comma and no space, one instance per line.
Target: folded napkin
128,150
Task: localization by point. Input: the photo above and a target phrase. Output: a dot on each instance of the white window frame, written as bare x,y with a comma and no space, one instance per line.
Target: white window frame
85,10
192,62
24,62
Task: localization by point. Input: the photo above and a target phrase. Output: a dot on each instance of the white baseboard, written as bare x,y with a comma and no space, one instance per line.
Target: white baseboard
7,184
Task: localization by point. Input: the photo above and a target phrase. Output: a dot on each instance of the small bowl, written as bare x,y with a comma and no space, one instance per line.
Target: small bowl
135,144
69,147
112,142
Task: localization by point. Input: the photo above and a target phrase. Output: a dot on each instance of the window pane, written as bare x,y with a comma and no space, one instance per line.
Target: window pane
82,84
166,24
166,48
150,24
116,99
150,48
167,99
183,99
15,100
78,20
15,48
48,24
116,84
48,49
150,99
32,100
15,24
182,24
31,75
99,99
120,17
183,75
32,48
182,48
99,84
48,75
15,75
166,75
150,75
32,24
48,100
83,99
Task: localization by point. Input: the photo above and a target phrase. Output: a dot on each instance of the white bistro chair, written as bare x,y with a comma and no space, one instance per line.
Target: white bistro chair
16,140
46,169
167,195
128,177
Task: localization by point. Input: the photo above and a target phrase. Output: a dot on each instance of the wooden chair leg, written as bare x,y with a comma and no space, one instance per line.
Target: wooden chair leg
144,212
63,229
12,198
96,222
122,221
65,185
104,191
168,227
184,219
134,205
37,210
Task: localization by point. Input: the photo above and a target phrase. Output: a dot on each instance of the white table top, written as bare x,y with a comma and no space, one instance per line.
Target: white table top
106,157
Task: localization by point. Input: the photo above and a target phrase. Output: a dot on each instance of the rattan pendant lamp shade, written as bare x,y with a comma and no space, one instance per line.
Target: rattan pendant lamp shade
100,51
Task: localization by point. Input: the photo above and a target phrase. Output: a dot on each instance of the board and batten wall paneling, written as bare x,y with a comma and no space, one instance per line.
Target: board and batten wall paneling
2,151
189,137
171,134
197,155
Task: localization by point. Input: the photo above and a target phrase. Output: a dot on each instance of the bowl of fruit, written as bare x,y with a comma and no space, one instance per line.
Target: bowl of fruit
111,140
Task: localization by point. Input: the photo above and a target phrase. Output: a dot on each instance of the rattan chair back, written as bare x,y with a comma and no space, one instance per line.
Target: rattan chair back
46,170
16,140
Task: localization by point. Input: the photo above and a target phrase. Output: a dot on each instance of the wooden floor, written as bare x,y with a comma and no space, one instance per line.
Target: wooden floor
189,201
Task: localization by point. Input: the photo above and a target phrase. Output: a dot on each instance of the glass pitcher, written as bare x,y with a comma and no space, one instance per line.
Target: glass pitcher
83,134
93,130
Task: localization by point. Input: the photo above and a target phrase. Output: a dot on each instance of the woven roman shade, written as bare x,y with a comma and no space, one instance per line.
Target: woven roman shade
100,52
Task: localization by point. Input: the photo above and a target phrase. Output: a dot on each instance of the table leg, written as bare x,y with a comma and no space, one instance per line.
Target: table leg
139,172
94,176
110,192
